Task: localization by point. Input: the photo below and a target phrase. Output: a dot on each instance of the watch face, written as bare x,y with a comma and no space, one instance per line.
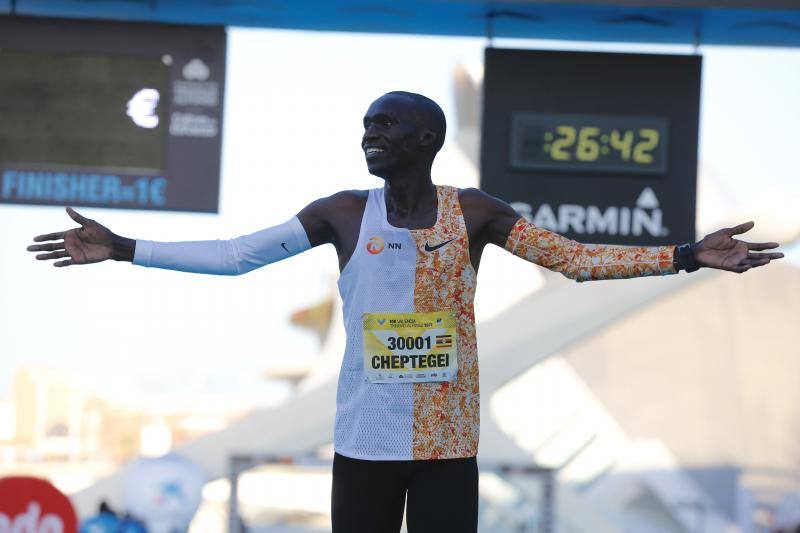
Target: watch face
684,258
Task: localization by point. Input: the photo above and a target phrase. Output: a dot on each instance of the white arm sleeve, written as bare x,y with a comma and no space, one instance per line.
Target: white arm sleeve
231,257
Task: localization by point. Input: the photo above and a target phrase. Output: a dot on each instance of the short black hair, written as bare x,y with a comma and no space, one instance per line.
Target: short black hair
429,113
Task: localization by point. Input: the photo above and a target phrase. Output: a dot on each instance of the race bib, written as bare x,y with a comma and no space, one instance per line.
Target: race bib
410,347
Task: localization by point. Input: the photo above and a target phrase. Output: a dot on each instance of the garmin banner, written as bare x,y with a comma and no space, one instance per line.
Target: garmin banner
599,147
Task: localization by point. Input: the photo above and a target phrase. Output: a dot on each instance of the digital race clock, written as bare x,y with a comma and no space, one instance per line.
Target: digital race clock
589,143
598,147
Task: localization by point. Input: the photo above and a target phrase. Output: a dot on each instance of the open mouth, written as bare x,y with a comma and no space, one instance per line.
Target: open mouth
371,151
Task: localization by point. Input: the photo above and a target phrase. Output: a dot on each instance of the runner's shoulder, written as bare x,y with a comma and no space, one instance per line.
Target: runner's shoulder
342,203
488,219
350,197
472,196
476,201
345,202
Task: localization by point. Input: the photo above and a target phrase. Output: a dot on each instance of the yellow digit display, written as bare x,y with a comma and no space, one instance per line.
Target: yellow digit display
589,143
588,147
623,143
639,144
641,154
560,145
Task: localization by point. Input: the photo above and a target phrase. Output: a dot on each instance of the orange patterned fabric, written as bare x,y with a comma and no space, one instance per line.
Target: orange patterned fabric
447,415
587,262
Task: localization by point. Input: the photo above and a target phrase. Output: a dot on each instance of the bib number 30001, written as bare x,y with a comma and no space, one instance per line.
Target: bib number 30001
410,347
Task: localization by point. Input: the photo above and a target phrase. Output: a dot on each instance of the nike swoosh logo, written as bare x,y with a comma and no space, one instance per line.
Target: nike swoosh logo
429,248
283,245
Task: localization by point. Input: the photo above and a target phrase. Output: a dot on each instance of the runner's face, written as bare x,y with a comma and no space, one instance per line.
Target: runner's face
390,135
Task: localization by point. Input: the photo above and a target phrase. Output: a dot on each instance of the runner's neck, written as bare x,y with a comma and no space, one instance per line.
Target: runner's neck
410,201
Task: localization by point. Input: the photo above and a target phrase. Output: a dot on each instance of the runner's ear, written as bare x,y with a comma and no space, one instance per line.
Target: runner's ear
428,138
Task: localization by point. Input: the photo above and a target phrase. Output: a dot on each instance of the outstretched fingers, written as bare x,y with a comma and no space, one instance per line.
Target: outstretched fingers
741,228
761,261
77,217
754,262
761,245
64,263
770,255
50,246
50,236
53,255
59,235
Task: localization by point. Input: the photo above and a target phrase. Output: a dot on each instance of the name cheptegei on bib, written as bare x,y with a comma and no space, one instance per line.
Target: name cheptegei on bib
410,347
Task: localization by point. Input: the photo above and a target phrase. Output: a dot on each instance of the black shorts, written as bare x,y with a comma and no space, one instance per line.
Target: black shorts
369,496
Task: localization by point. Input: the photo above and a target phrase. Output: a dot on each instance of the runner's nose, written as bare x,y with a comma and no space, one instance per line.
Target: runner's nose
369,134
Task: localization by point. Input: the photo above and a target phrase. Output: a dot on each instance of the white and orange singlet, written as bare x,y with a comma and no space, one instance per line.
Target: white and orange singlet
425,403
408,387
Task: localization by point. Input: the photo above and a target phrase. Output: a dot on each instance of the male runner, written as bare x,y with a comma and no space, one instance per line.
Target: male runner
406,426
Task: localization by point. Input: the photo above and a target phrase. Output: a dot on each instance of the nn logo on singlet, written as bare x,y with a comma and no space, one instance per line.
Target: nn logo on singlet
375,245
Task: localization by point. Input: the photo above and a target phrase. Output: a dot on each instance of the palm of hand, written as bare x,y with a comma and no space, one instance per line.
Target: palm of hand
719,250
89,244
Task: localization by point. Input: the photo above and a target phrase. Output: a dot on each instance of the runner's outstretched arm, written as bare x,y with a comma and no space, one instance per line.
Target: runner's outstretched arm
93,242
503,226
587,262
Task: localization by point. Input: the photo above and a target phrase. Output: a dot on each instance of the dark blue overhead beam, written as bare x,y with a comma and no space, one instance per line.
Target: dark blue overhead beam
610,22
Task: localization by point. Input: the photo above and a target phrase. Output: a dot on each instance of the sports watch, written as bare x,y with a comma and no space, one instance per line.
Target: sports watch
683,258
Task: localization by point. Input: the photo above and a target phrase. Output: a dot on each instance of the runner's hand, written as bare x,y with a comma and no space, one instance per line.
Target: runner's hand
720,250
91,243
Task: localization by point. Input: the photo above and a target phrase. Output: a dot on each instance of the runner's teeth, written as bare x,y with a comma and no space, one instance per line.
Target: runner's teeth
374,150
